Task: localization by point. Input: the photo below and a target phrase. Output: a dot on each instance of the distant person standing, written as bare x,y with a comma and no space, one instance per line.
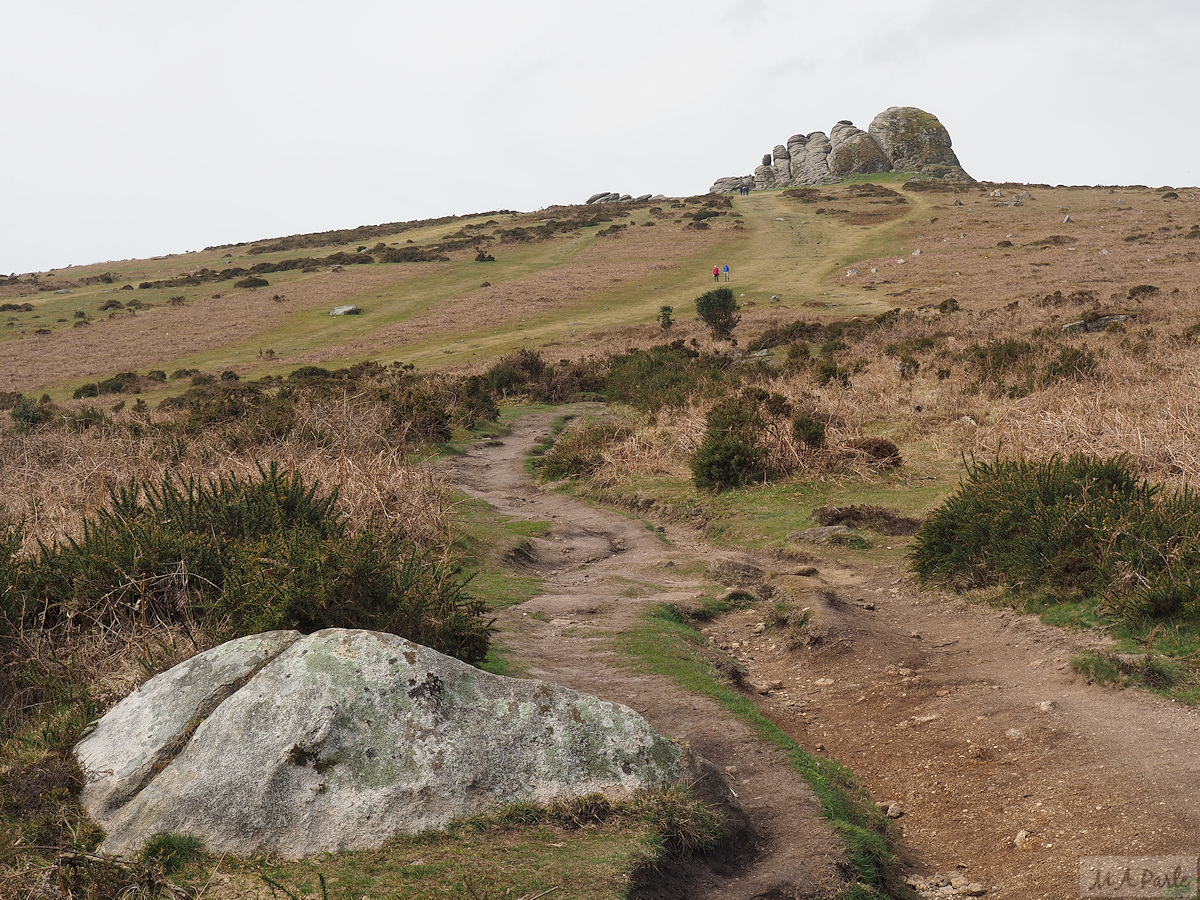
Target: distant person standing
716,274
726,270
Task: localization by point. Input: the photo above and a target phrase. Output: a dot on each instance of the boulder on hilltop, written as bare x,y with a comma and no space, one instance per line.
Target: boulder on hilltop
915,141
899,139
301,744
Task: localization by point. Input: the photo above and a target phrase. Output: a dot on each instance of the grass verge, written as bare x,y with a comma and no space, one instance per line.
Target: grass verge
664,644
587,848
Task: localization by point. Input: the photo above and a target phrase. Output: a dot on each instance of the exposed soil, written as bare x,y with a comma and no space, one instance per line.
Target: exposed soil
1003,765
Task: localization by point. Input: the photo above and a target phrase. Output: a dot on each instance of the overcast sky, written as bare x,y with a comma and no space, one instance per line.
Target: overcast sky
134,129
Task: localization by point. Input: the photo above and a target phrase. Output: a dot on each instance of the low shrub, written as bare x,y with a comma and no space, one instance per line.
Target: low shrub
1071,527
245,556
1072,363
1001,366
251,281
808,430
27,414
729,455
878,451
580,450
663,376
718,309
875,518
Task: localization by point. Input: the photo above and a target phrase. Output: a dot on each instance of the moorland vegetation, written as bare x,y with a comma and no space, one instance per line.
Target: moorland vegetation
880,343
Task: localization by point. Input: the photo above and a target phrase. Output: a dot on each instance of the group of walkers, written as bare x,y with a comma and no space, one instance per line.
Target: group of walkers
717,272
744,191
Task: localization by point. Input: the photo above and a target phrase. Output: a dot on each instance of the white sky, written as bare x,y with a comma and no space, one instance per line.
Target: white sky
133,129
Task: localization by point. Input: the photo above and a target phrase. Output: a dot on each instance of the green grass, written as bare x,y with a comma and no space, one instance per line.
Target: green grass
664,644
486,535
767,257
587,848
761,516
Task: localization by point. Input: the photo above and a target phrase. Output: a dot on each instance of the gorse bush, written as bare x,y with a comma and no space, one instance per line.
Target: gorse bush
244,556
808,430
718,309
27,414
665,375
580,451
730,456
1069,528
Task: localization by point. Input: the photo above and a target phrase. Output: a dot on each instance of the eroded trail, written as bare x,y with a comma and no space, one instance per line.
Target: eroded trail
1004,767
592,560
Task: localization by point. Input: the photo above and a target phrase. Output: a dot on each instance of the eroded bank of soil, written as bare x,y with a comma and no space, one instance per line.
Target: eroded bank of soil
1002,766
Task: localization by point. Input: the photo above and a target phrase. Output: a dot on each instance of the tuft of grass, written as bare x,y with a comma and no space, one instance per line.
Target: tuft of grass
172,851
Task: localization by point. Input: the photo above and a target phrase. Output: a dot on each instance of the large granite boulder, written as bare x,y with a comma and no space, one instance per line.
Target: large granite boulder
336,740
781,162
732,184
854,152
914,141
764,178
814,167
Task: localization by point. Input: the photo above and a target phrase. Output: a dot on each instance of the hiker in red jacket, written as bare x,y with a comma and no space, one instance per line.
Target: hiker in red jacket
716,274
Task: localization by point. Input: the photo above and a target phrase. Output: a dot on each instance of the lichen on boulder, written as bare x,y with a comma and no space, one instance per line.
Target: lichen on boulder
337,740
915,141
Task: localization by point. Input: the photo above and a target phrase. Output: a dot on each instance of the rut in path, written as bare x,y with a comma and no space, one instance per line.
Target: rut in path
593,560
1008,766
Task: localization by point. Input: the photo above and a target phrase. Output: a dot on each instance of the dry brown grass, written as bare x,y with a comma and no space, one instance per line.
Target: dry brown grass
53,478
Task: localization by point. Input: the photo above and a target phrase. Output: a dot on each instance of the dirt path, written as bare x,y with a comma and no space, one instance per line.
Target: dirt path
1004,766
590,557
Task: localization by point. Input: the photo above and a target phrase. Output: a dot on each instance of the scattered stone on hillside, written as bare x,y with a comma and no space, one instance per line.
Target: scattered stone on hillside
944,887
1091,326
1104,253
958,203
996,193
348,310
822,535
299,745
1067,220
730,572
850,273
